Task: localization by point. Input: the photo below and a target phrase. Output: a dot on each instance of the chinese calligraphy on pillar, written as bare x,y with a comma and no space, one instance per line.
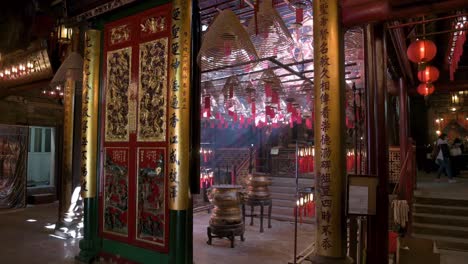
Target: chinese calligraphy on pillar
329,131
179,112
89,121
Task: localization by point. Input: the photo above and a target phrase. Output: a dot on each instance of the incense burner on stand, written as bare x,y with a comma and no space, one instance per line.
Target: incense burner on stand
226,218
258,194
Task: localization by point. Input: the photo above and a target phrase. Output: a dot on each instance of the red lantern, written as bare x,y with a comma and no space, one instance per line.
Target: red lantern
429,74
421,51
426,89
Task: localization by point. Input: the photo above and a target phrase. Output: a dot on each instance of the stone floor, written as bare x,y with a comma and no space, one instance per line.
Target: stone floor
273,246
25,239
426,185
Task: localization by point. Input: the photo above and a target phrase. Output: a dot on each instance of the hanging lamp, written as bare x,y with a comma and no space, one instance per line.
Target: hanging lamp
429,74
426,89
268,32
226,43
421,51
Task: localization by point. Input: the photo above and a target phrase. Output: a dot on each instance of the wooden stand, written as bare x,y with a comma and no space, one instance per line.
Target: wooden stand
261,203
228,231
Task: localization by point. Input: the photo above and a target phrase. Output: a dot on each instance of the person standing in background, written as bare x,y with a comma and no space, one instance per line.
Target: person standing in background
456,155
443,158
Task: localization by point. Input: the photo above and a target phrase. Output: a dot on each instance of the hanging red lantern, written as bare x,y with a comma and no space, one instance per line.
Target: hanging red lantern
426,89
422,50
429,75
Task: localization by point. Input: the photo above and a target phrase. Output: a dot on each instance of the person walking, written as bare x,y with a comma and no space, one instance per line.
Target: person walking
456,156
443,158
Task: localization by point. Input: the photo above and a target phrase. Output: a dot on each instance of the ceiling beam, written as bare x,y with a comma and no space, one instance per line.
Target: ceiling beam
26,87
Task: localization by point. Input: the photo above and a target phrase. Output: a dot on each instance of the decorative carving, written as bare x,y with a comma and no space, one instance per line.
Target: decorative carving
117,98
116,191
151,194
394,164
152,91
99,10
153,25
120,34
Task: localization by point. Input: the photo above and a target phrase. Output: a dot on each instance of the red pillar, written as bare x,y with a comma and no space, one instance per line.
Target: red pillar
377,236
403,134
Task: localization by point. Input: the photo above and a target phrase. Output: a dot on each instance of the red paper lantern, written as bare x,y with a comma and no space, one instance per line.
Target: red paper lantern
426,89
429,74
422,50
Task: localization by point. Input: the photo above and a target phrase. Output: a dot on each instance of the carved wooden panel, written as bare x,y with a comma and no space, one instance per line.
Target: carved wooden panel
394,164
120,34
117,94
152,91
133,194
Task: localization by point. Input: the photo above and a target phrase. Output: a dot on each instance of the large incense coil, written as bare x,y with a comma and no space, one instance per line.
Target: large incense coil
268,32
226,43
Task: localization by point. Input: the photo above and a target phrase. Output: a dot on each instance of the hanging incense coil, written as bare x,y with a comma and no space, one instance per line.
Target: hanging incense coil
226,43
269,78
268,32
231,87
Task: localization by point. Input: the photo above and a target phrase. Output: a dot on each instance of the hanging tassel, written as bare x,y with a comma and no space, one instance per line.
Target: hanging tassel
299,15
208,106
231,92
227,48
274,97
255,16
298,117
309,123
268,91
289,107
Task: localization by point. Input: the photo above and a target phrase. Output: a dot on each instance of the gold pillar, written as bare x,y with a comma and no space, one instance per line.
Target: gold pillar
68,128
179,105
329,133
67,156
90,105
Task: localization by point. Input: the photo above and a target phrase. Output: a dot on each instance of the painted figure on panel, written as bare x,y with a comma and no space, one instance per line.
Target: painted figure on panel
116,203
151,194
13,153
